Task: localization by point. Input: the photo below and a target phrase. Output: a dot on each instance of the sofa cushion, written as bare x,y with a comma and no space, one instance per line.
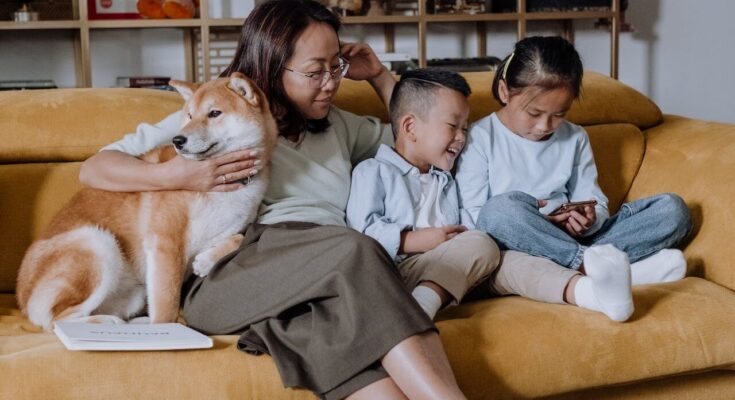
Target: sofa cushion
48,126
502,348
30,195
618,151
603,100
517,348
696,159
72,124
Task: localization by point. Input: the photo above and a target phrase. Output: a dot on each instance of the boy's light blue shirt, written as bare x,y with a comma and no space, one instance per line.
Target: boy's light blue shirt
384,194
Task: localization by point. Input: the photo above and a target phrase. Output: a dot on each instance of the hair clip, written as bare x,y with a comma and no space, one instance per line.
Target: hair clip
507,63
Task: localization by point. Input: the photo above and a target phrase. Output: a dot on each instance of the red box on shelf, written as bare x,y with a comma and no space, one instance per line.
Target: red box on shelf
112,9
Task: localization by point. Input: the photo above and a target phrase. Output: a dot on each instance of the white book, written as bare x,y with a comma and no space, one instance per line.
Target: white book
111,337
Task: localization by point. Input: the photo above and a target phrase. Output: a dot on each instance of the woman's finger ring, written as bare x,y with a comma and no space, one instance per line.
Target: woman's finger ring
224,179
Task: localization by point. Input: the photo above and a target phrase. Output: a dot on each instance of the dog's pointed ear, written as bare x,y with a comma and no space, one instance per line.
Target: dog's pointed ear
185,89
241,85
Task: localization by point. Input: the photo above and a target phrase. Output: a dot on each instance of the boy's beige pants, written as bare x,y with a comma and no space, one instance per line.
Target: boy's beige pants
472,259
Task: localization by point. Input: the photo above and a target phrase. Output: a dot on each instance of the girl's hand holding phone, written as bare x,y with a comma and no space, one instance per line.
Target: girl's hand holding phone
580,221
576,221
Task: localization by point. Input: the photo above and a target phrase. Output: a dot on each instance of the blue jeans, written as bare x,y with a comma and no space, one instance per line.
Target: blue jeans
640,229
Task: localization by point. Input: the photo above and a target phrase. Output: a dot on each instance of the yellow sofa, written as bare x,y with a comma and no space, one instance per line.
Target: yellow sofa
680,343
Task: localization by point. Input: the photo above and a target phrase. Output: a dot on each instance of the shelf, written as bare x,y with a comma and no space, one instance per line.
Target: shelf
541,16
226,21
382,19
472,17
144,23
12,26
203,27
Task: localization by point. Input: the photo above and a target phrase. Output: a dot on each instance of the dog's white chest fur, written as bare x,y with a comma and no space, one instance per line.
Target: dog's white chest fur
215,216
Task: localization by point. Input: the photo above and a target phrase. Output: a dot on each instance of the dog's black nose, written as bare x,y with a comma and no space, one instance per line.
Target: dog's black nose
179,141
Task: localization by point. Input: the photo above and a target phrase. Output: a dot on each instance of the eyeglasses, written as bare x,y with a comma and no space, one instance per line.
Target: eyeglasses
319,79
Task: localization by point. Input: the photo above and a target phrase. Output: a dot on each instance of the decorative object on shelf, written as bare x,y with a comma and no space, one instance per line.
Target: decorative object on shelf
605,23
346,7
174,9
503,6
112,9
473,6
24,13
142,81
45,10
376,9
402,7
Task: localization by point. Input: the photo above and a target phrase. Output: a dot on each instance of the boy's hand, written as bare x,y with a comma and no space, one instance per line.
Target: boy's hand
425,239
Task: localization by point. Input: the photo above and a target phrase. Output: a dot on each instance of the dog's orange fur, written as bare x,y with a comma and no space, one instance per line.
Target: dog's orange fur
150,229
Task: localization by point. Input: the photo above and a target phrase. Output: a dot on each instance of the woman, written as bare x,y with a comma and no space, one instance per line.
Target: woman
324,301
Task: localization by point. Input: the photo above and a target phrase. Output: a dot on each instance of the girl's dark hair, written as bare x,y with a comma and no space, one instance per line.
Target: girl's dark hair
266,43
547,62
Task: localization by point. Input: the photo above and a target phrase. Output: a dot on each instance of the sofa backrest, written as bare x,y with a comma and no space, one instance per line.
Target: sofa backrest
46,134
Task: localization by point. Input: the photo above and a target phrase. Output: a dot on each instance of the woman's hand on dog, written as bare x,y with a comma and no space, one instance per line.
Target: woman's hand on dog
220,174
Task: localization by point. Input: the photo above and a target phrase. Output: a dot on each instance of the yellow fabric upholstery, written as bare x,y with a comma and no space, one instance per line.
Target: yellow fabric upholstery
696,159
602,101
519,348
34,193
72,124
680,343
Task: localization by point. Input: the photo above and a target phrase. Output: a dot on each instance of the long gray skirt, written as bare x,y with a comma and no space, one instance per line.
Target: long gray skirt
325,302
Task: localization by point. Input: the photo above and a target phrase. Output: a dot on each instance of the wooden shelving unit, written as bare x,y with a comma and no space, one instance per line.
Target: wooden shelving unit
81,25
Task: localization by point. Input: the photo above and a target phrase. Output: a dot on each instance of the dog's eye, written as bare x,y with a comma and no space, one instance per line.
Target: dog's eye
214,113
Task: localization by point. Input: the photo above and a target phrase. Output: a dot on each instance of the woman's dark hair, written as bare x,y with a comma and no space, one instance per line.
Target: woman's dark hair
267,41
548,62
415,92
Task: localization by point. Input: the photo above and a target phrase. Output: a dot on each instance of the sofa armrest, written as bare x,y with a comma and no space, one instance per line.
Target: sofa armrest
696,159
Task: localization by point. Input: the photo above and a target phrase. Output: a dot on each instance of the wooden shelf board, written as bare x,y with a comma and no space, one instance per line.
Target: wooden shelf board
226,21
12,25
472,17
385,19
144,23
536,16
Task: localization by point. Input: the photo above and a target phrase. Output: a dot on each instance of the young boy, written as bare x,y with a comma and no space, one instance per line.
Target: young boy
406,197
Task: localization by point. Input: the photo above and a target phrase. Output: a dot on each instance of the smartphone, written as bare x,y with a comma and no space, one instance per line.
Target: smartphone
574,205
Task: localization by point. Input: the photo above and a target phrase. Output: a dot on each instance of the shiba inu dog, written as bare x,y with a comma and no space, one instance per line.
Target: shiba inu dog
107,255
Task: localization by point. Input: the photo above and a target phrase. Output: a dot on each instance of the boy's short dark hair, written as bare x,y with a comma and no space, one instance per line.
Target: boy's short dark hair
414,93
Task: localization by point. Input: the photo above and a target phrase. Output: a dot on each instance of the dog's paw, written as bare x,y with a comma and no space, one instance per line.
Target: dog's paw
202,264
103,319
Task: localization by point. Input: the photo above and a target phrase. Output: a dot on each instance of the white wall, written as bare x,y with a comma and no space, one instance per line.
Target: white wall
680,54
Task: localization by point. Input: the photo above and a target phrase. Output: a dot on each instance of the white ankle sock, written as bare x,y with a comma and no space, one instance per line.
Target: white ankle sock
428,299
668,265
606,288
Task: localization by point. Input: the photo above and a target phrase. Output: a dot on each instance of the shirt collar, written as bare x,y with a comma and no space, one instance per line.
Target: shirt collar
390,156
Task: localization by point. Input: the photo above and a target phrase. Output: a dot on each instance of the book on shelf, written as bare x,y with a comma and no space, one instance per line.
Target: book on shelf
127,337
27,84
142,81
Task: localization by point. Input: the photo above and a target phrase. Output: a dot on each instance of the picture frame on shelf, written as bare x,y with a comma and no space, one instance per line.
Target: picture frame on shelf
112,9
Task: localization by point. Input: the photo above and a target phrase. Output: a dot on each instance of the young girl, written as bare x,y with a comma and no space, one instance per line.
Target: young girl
524,161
